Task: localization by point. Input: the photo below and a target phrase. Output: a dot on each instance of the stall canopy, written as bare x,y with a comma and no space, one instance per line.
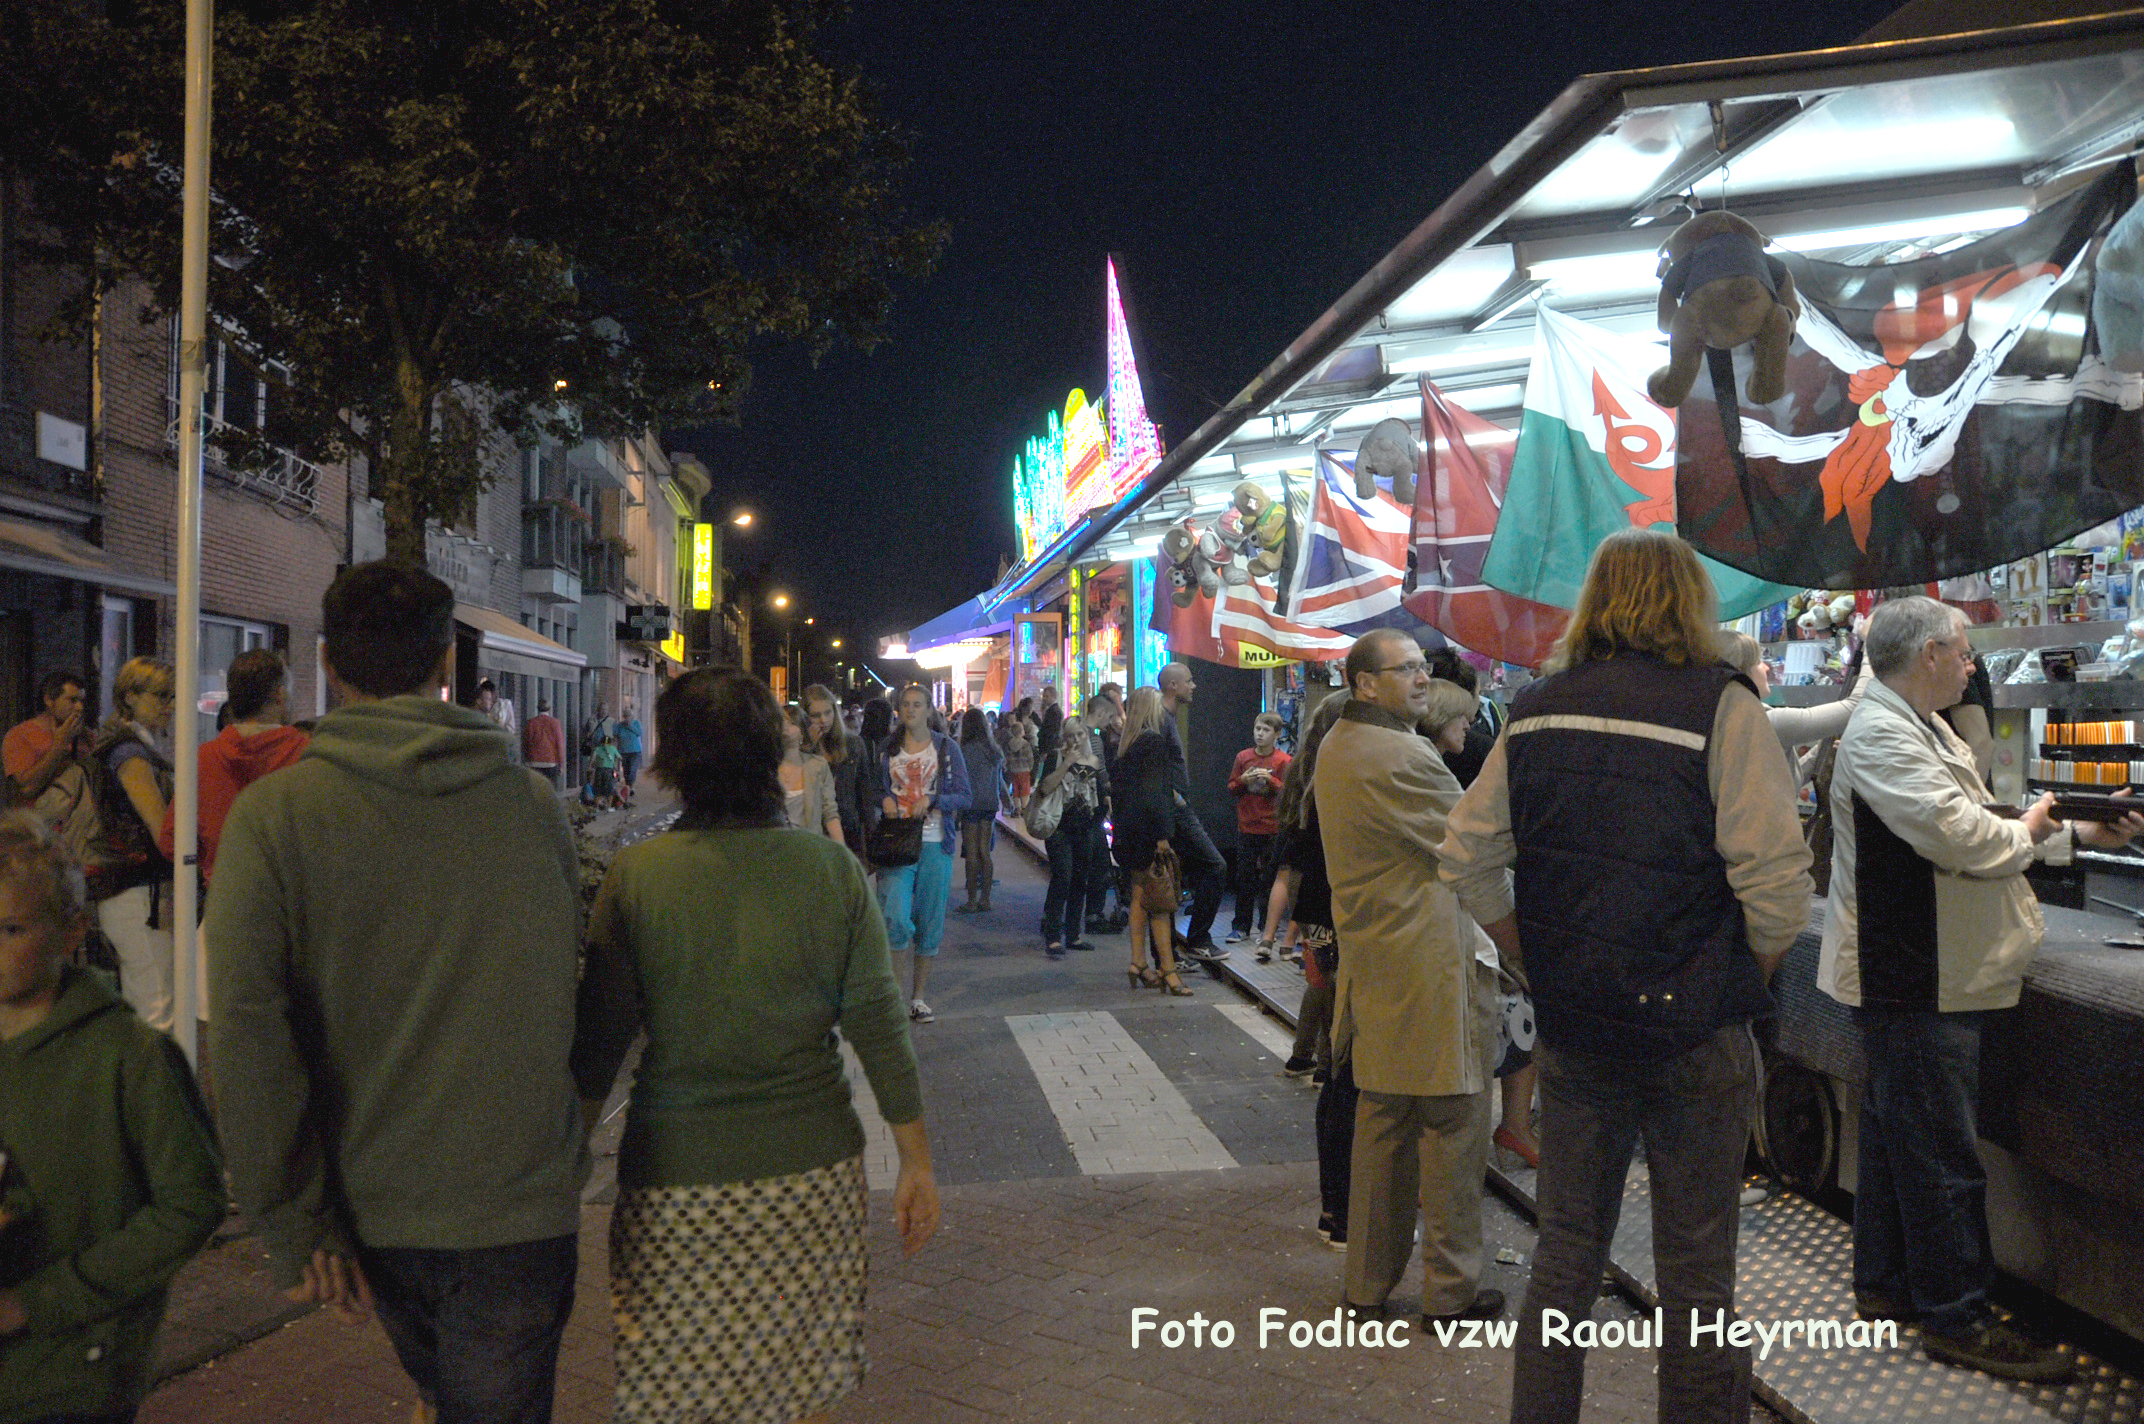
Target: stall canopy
1868,155
974,618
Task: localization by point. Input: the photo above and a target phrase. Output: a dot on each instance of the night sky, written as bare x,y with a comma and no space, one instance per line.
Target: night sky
1246,162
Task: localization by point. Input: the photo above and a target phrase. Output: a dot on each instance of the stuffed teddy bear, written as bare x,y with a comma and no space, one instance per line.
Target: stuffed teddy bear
1388,451
1718,289
1265,525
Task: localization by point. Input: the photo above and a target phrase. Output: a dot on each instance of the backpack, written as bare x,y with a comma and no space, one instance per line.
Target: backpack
91,814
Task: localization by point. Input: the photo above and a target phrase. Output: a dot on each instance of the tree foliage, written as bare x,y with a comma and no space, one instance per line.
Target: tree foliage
430,212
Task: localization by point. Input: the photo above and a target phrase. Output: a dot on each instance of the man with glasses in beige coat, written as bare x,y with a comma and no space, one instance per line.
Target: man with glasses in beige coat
1416,993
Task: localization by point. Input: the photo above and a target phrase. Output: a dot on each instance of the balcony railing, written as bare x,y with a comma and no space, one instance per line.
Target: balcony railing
603,567
552,533
286,480
20,461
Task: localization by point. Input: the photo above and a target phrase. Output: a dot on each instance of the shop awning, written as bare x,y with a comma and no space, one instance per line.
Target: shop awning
506,646
1850,153
38,549
972,618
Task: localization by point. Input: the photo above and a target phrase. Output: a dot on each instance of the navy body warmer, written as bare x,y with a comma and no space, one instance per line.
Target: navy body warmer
1633,940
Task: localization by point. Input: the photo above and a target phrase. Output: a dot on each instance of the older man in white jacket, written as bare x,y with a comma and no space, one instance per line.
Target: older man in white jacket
1930,929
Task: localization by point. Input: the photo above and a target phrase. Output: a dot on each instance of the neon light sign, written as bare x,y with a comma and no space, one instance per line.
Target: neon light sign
1093,455
703,566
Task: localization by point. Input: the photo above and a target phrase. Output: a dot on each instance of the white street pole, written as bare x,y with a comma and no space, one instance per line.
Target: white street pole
193,368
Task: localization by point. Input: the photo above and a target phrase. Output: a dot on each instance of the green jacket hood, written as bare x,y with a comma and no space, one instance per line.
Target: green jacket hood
84,995
414,744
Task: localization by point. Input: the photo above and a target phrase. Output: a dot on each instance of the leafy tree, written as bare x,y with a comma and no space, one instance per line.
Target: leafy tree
571,217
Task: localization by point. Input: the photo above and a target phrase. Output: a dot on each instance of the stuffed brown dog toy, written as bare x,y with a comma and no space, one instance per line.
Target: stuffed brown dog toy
1718,289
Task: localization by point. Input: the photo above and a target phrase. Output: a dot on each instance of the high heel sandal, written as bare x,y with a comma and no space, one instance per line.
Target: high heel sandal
1143,977
1174,986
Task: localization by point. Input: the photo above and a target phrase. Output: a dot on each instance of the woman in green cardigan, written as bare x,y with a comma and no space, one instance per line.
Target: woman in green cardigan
740,945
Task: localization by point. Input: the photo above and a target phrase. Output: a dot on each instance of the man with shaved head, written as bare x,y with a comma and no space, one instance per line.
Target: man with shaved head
1203,866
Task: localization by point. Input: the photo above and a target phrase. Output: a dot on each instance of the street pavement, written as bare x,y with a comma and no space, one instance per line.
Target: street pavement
1099,1150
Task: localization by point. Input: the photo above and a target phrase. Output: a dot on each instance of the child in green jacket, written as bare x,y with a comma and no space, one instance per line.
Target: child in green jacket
111,1180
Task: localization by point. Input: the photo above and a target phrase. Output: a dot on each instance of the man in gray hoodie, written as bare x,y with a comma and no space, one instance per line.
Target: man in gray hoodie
392,966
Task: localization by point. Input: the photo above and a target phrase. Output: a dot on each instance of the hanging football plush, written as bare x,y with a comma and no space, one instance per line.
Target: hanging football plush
1719,290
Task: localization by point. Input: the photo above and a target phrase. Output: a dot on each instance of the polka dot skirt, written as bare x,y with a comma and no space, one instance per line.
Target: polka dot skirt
742,1302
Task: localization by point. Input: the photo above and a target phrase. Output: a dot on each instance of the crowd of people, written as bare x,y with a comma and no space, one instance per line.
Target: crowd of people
1586,897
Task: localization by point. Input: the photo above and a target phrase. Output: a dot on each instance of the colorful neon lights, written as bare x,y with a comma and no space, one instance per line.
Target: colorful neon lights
1094,455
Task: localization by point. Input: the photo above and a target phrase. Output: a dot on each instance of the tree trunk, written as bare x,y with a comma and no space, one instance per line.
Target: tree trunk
403,474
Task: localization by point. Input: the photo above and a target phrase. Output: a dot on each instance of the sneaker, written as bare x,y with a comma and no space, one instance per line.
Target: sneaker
1333,1233
1204,951
1080,945
1999,1348
1488,1305
1320,1078
1238,936
1298,1067
920,1012
1264,953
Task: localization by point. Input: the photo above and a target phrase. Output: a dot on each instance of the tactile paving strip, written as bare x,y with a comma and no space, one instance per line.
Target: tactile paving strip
1795,1262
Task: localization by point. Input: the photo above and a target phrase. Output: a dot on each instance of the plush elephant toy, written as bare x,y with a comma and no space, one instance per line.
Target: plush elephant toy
1265,524
1388,450
1718,290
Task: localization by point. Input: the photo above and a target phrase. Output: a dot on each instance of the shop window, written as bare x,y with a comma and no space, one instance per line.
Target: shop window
223,639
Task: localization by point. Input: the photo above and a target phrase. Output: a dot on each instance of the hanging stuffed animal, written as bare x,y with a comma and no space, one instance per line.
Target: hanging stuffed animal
1265,526
1718,290
1189,554
1387,451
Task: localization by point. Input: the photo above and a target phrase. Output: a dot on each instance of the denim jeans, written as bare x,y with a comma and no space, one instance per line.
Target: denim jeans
1204,871
912,898
1336,1137
478,1330
1254,881
1694,1113
1921,1204
1071,848
1101,873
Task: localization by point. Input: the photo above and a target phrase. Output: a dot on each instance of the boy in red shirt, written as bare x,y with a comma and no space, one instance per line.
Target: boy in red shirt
1255,781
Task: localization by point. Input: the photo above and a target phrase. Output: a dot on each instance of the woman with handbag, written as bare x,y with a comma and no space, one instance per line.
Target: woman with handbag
1074,788
922,786
1143,801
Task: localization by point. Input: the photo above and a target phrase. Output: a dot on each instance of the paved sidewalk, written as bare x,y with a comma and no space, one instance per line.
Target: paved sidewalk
1020,1310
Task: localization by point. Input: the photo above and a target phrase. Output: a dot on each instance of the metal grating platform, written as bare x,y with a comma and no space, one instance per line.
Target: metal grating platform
1795,1261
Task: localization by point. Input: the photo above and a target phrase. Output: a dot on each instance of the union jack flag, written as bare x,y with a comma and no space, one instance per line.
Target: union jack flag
1352,571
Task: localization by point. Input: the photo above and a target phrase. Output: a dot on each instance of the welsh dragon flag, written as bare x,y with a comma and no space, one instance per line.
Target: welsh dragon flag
1594,455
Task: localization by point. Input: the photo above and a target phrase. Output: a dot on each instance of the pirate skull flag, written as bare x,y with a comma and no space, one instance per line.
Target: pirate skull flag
1942,415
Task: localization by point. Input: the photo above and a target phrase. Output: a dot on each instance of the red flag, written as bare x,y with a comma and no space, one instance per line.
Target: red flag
1456,503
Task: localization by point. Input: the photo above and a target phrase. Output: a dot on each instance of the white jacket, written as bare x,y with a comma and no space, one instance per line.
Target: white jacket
1933,847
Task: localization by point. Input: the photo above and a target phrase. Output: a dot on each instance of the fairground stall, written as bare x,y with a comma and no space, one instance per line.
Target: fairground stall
1951,398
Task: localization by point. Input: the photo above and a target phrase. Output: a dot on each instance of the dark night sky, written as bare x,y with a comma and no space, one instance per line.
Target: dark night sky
1247,162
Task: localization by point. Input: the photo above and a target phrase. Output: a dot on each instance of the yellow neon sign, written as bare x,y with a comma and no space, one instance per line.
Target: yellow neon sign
703,566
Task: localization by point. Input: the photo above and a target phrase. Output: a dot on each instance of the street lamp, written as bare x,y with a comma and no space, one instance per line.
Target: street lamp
737,519
781,600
